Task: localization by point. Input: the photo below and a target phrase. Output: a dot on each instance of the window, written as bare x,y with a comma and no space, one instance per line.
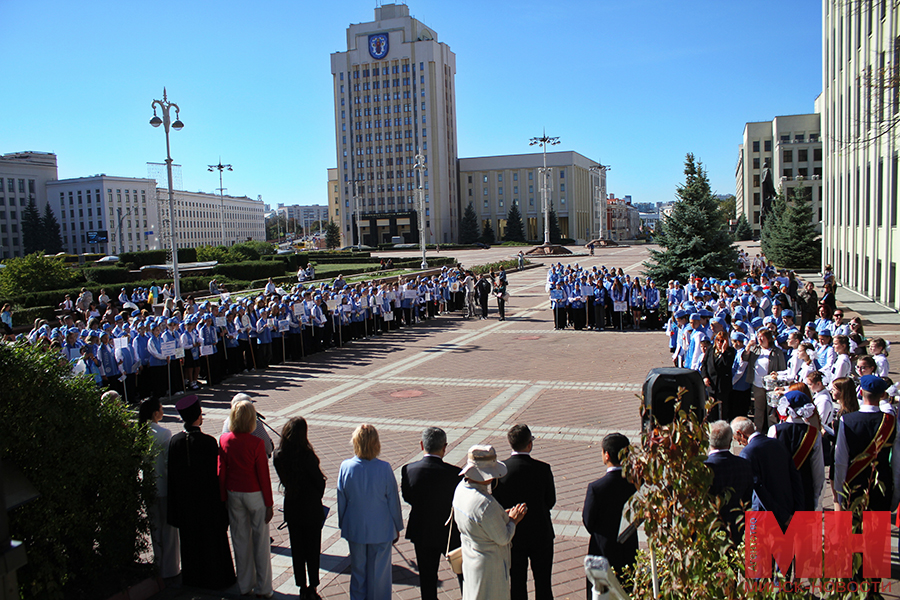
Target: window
485,192
562,187
788,172
788,156
499,177
756,163
756,181
500,191
802,155
799,138
767,146
562,174
485,178
530,176
756,146
531,202
817,154
21,186
756,198
786,138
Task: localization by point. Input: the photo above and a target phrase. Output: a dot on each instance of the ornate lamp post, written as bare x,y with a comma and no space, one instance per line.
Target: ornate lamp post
544,172
165,106
358,215
221,168
420,193
600,190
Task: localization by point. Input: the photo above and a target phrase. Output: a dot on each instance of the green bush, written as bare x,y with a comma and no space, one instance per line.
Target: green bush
34,273
26,316
143,258
255,269
108,275
252,250
86,458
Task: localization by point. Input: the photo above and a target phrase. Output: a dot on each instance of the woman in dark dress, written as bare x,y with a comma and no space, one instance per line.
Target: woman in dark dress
304,485
716,372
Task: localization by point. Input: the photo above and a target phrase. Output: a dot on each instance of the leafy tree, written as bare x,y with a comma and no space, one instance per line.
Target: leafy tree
468,229
743,231
32,234
555,235
772,241
693,237
727,208
50,229
798,245
487,234
515,231
332,235
89,525
34,273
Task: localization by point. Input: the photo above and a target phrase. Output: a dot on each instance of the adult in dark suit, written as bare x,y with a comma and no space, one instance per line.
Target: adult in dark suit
776,482
603,505
428,486
483,290
730,474
530,482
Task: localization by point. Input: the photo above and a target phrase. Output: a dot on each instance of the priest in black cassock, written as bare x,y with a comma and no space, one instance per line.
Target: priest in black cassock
195,503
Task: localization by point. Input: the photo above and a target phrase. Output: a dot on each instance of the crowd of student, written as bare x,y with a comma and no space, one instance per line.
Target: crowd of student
128,348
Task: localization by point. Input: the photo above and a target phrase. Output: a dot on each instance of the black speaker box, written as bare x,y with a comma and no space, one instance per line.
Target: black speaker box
661,391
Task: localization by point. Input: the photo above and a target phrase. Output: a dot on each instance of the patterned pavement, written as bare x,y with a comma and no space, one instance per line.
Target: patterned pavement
474,379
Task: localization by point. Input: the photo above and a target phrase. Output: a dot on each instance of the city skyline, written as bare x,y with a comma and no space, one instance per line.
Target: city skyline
634,86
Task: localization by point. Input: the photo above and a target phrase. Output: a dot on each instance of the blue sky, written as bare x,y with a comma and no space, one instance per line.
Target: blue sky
634,84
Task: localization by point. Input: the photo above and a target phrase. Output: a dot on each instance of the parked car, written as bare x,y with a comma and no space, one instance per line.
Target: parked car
108,259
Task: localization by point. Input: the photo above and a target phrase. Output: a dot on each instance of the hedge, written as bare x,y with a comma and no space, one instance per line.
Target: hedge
108,275
155,257
254,269
26,316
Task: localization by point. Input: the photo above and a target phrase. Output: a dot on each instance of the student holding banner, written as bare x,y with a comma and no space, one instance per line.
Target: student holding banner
171,344
263,339
619,302
558,303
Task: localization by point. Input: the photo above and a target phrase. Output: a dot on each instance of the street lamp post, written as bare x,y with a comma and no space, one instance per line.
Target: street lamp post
165,106
600,190
544,172
420,192
358,215
121,216
221,168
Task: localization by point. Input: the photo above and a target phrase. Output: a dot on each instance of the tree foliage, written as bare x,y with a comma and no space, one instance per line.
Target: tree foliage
90,463
727,209
332,235
693,237
771,238
34,273
487,233
468,229
515,230
790,237
50,232
555,235
32,234
743,231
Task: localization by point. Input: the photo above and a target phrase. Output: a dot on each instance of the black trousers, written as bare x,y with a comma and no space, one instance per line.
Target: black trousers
541,557
428,559
306,547
483,300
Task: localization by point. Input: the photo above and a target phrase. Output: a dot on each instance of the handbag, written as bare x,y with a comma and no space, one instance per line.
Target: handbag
454,557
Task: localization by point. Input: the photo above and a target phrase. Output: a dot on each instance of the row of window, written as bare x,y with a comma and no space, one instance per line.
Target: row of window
11,185
799,138
397,68
562,188
562,175
515,201
12,201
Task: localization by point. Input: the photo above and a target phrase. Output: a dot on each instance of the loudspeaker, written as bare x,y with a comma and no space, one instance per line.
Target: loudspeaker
660,393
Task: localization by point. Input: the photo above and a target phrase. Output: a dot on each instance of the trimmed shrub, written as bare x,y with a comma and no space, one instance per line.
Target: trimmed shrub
108,275
34,272
255,269
144,257
26,316
89,524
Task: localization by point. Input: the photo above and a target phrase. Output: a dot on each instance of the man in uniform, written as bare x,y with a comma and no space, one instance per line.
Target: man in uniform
195,503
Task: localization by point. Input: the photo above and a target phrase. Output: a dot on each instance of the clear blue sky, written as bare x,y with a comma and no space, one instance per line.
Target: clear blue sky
634,84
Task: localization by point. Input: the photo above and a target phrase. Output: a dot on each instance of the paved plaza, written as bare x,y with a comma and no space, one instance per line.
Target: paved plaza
474,379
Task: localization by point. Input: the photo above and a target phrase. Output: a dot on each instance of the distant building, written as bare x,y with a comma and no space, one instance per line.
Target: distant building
334,197
792,146
624,219
494,183
23,176
304,216
394,99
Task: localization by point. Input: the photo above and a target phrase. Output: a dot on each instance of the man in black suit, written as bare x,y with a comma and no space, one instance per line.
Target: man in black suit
603,506
776,482
428,486
730,473
529,481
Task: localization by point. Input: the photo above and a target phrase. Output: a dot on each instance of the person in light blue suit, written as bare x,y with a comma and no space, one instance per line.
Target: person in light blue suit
368,515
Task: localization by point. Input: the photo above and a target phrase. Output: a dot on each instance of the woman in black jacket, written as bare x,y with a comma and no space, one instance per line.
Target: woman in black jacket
716,372
304,485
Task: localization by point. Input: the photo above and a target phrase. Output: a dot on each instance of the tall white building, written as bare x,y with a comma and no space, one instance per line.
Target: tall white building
23,176
304,216
860,106
792,146
394,98
494,183
202,219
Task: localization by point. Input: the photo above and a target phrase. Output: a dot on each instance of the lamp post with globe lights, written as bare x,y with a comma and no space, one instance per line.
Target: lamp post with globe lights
165,106
543,142
221,168
600,190
420,196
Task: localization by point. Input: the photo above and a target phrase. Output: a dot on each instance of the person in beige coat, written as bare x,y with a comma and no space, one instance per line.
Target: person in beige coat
485,528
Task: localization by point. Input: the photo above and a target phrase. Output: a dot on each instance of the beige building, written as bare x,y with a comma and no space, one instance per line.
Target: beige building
23,176
494,183
395,98
792,146
860,106
334,196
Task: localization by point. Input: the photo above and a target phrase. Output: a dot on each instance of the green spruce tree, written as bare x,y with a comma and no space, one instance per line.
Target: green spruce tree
468,229
487,233
799,246
332,235
555,235
693,238
50,230
515,231
32,237
743,231
771,237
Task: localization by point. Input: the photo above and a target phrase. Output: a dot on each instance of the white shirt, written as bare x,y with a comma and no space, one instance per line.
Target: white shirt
881,365
842,460
761,368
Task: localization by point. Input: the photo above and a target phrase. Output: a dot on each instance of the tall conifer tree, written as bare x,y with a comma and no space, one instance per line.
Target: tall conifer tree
50,230
32,234
515,231
468,229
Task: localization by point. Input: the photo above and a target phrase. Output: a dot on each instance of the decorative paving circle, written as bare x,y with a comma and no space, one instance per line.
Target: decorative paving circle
407,394
529,337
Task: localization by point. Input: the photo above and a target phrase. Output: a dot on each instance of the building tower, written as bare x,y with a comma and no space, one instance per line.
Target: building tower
394,98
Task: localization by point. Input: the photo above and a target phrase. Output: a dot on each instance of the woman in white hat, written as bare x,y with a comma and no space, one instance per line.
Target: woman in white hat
486,529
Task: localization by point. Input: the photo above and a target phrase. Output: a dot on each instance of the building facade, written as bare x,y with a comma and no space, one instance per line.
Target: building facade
792,147
860,105
203,219
333,193
394,99
304,216
492,184
23,176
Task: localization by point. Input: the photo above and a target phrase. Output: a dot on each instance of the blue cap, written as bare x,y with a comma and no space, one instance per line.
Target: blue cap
787,313
682,314
704,337
767,320
695,316
873,384
811,325
135,313
739,337
119,318
796,398
825,331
